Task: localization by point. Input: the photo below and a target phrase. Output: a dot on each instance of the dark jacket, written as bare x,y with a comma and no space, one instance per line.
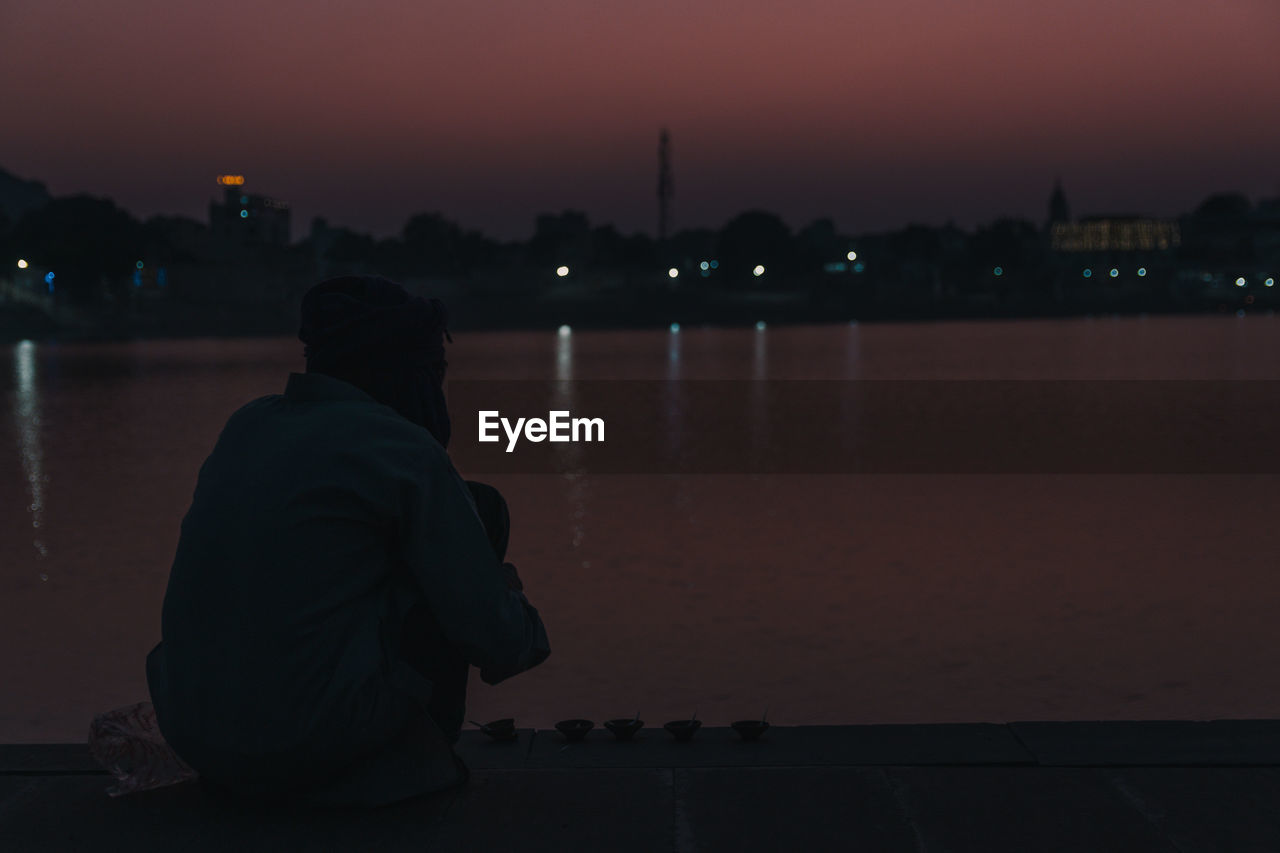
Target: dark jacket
318,521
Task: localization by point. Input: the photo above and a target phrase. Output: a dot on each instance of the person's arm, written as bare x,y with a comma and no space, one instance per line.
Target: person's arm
468,590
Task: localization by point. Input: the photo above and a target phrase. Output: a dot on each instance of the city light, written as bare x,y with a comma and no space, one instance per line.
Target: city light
715,264
1240,282
675,327
704,266
1142,271
564,331
758,271
244,214
760,326
138,265
1115,272
562,272
22,263
1271,282
853,256
673,272
231,180
1088,273
999,271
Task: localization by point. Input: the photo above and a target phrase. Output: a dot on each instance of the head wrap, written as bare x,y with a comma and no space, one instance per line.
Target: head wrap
371,331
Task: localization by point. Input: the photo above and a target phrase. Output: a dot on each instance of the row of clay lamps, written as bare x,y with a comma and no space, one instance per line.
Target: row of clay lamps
623,729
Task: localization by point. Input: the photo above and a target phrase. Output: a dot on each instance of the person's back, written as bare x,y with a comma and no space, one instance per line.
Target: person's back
321,521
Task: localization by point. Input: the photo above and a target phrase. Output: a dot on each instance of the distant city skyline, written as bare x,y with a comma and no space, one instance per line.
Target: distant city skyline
874,115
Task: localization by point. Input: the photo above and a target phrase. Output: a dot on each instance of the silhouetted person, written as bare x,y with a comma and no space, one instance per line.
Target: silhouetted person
335,578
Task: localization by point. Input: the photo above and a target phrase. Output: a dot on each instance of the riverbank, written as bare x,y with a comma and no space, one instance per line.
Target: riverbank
577,309
1170,786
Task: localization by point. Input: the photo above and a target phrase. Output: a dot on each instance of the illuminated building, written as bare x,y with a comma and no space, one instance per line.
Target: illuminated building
1115,234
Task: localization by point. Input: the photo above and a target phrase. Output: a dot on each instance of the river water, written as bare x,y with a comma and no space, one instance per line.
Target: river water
825,598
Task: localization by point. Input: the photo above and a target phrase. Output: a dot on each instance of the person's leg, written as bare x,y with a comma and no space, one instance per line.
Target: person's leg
424,645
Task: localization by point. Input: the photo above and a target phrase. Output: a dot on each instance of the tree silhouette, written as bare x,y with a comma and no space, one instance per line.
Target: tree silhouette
755,238
88,243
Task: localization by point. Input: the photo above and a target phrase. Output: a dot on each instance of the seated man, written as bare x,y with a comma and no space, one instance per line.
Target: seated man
334,578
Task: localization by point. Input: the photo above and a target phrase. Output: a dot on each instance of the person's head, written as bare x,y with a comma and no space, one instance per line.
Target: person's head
370,332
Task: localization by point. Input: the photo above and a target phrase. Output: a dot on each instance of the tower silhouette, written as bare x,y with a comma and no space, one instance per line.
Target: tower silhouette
1058,209
665,187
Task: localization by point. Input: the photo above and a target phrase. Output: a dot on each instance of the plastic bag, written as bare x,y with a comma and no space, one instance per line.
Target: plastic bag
128,743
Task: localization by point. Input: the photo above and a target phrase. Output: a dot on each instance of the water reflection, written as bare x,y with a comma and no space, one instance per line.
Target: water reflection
562,400
26,415
759,415
849,413
675,390
674,400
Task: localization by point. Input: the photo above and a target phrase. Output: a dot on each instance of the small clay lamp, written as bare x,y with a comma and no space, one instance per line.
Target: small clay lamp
574,730
499,730
750,729
683,730
624,729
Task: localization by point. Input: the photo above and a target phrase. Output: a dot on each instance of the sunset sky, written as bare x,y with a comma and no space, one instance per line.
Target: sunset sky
873,113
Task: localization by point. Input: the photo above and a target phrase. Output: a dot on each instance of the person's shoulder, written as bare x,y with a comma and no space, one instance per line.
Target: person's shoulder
266,402
255,409
387,428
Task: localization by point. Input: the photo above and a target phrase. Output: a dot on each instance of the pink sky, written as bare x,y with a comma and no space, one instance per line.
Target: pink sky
873,113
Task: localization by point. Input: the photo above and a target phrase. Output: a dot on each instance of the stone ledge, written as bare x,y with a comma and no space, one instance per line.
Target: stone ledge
1120,743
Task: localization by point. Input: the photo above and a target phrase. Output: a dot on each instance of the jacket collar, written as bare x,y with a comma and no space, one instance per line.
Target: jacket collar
315,387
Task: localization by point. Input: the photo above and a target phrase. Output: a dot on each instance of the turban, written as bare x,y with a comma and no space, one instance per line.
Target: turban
371,328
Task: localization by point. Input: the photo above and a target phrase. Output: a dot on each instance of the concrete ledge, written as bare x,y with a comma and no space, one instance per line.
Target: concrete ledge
63,759
788,746
1152,742
1226,743
914,789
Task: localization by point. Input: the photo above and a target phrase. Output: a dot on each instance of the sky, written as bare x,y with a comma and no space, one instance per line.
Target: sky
874,113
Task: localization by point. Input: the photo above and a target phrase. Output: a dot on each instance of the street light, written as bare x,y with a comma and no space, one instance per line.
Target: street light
673,272
22,263
562,271
758,271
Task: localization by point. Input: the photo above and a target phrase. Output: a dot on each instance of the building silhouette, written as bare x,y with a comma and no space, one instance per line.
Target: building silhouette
1058,209
248,220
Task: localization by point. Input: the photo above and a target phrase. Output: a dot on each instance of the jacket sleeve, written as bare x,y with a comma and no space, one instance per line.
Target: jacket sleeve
449,555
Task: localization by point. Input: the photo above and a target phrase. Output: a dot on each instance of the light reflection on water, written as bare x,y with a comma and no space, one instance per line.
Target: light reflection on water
26,415
835,599
577,491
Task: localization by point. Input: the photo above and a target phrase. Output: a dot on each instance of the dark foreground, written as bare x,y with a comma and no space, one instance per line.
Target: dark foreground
1109,786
